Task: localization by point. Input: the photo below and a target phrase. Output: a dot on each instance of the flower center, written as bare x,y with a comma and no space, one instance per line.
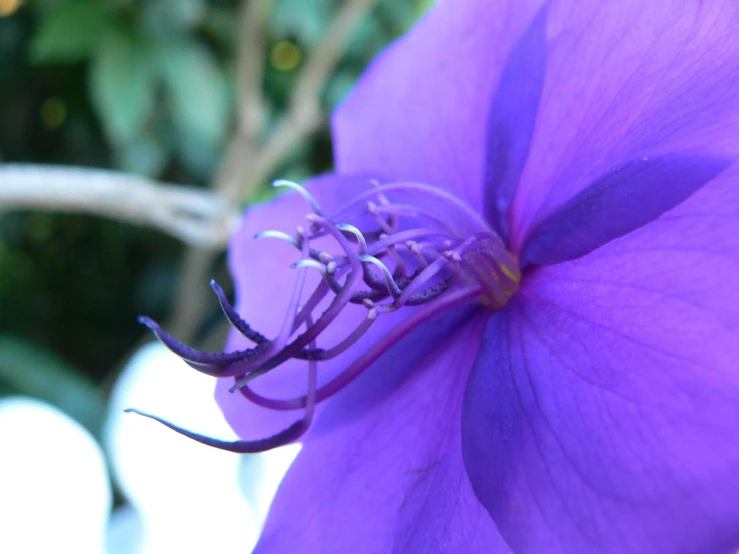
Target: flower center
425,252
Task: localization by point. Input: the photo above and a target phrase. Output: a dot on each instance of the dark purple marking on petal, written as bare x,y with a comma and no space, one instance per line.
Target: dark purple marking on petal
616,204
512,118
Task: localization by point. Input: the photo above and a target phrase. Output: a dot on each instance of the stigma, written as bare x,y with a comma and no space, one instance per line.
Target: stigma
397,246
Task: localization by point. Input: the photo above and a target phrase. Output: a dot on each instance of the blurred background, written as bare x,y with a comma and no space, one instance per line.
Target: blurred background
191,107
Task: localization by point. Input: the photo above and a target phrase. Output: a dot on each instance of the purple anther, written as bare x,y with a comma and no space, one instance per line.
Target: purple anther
233,317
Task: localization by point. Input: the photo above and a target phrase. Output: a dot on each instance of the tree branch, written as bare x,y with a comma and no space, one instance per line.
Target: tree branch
193,215
248,163
304,116
232,176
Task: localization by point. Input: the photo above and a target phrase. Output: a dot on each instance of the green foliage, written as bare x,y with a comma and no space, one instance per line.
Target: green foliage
146,86
122,84
71,31
196,88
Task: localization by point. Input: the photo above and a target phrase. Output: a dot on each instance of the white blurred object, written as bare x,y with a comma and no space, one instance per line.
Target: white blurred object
54,488
188,496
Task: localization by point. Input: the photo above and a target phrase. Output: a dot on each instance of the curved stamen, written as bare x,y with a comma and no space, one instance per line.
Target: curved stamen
400,267
271,234
241,326
436,266
415,249
292,309
227,364
357,234
338,303
344,345
449,200
302,191
392,286
418,212
402,237
286,436
429,272
309,262
381,222
392,221
369,356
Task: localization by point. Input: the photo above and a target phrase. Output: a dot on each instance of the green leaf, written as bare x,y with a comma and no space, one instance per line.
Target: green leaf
198,156
197,90
71,32
177,15
305,21
145,156
34,371
122,85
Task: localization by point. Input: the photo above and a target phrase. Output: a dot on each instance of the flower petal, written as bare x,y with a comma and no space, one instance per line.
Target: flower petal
628,80
512,118
601,415
616,204
415,114
391,480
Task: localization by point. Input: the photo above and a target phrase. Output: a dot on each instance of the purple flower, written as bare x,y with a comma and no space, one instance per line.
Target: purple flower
527,268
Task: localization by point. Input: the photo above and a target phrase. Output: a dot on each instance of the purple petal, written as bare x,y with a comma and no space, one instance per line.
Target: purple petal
603,412
624,81
391,479
616,204
512,118
415,114
264,281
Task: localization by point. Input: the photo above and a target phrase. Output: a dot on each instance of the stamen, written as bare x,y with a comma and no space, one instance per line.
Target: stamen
357,234
213,364
400,266
341,299
311,263
286,436
277,235
384,225
452,258
369,356
415,249
392,286
303,192
241,326
449,201
344,345
423,277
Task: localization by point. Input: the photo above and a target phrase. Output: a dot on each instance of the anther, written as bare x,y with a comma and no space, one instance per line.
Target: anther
414,249
311,263
276,235
452,256
390,283
361,242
